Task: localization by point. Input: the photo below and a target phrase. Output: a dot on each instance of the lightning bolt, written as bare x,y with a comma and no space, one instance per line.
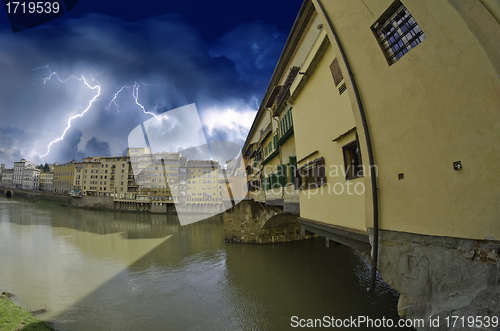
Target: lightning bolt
97,86
135,93
113,100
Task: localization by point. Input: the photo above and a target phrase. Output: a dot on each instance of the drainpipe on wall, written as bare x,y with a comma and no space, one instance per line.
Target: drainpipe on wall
369,147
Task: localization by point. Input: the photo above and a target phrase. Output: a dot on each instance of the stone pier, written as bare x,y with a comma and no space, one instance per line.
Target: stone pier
256,223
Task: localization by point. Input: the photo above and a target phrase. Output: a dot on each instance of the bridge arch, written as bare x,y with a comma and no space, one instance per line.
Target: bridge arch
253,222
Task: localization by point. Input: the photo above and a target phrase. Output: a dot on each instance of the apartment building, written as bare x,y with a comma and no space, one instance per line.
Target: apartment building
19,167
7,177
31,179
202,183
46,182
64,177
106,176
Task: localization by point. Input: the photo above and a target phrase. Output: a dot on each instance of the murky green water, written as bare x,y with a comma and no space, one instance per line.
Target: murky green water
95,270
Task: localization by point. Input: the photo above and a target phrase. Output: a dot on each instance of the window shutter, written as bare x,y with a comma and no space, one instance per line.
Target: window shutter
281,174
336,72
265,183
320,171
273,179
275,141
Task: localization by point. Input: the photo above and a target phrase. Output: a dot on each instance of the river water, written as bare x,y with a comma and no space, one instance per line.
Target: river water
96,270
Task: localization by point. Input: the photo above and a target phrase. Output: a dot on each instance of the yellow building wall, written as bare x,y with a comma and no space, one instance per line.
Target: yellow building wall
306,43
63,177
320,115
438,104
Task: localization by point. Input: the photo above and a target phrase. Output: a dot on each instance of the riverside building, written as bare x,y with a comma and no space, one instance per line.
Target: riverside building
19,167
31,179
373,119
46,182
7,177
64,177
202,187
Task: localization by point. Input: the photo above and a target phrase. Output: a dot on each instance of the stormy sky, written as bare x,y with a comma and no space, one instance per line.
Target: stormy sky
218,56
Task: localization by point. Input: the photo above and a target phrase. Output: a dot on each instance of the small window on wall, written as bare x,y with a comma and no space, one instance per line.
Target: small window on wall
397,32
310,175
352,160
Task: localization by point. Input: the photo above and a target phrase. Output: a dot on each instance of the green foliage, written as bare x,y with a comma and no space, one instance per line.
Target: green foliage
15,318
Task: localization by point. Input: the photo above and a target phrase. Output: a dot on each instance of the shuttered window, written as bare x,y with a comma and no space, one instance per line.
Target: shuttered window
273,181
286,123
258,156
265,183
277,179
336,72
281,174
253,185
310,175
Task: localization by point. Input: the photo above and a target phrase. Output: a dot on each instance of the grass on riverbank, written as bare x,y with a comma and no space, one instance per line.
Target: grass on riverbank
14,318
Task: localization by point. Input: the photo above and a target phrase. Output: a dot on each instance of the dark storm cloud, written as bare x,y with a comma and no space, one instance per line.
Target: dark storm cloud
254,49
98,148
11,139
67,149
167,57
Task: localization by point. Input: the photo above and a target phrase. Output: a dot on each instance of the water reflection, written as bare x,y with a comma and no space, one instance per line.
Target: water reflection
131,271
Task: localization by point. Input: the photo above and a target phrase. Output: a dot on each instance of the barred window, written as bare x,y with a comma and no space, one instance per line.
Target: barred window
397,32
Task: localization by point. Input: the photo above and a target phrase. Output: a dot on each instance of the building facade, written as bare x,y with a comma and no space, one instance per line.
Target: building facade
46,182
376,114
7,177
202,186
64,177
31,179
19,167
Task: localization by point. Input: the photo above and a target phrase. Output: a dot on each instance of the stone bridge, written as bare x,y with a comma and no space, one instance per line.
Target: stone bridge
9,193
256,223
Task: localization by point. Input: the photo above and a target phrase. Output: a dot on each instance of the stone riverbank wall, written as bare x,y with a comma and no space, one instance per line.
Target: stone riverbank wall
89,202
